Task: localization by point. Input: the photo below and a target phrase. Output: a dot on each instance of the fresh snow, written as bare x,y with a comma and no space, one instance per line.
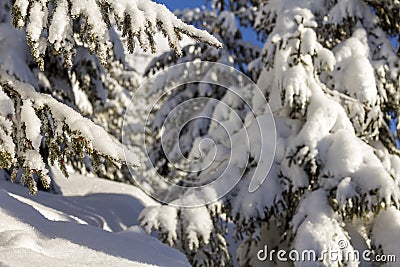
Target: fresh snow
386,232
92,223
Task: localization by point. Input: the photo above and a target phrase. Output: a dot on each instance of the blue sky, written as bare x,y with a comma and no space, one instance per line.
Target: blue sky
181,4
248,34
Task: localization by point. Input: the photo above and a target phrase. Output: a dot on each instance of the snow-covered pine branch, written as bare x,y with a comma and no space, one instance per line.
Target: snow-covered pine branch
59,22
29,116
41,117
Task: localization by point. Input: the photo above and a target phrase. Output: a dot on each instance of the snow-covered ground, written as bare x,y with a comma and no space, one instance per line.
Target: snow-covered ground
93,223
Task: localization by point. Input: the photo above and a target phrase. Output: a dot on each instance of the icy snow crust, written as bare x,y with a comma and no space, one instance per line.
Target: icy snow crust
92,224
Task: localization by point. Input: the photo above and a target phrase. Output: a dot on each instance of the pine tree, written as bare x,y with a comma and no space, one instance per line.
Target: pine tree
62,71
178,122
330,73
236,53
